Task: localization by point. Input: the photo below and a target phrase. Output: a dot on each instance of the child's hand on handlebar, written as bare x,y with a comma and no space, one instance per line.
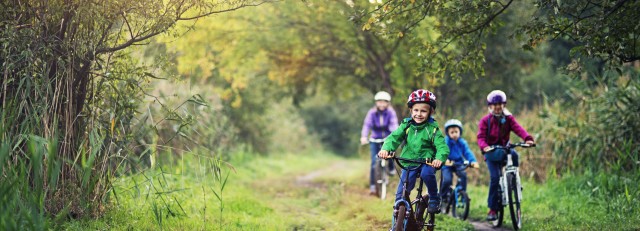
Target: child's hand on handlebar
475,165
384,154
436,163
530,142
486,149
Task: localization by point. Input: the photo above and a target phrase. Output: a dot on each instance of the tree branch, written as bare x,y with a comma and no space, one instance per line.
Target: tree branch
151,32
488,20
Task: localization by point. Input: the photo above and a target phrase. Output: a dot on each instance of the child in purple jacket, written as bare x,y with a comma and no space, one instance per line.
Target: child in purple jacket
495,129
380,121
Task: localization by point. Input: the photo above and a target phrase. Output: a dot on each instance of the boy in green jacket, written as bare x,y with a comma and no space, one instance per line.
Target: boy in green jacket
423,141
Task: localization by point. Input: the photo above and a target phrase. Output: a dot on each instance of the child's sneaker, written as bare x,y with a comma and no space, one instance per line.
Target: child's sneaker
434,205
492,215
373,191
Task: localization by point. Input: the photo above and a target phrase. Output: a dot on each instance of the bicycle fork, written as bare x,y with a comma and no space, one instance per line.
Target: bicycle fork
504,184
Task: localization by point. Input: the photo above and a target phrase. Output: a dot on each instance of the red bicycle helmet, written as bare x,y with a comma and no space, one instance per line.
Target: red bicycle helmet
422,96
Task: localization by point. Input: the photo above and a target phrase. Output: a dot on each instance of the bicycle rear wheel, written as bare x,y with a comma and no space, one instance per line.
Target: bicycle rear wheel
400,218
431,222
514,204
460,207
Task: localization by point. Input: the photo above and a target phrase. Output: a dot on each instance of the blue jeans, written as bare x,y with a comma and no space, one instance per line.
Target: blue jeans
428,175
494,184
447,177
375,148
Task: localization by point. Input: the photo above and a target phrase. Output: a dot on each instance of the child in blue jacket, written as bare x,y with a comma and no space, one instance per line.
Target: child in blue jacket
459,152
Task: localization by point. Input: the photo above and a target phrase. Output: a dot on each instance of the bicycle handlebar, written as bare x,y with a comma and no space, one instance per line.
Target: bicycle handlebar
466,164
417,161
511,146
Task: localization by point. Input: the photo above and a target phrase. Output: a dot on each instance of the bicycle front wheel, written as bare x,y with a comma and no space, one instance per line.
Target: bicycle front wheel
400,218
378,176
460,207
514,204
446,204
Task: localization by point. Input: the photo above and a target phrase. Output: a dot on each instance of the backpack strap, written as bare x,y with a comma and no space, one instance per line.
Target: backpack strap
500,123
489,127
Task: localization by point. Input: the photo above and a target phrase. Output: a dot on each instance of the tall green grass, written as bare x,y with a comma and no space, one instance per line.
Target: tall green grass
25,182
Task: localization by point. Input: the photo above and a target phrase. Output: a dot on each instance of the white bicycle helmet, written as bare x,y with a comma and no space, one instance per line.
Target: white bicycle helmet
452,123
382,95
496,97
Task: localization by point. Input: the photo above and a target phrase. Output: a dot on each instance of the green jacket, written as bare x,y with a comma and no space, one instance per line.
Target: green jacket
423,141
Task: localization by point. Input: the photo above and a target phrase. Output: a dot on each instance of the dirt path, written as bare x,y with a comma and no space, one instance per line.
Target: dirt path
321,185
484,225
308,179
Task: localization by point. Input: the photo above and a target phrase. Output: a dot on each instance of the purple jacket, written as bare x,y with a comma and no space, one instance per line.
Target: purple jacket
379,123
504,129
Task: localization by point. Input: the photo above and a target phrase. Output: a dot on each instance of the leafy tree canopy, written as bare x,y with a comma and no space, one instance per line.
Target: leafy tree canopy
599,29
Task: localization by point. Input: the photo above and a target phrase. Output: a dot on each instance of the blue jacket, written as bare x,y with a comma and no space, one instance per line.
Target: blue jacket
459,150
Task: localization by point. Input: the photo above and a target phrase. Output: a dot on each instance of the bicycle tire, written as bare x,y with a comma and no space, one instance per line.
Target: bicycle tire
447,206
378,178
383,186
400,218
460,208
514,204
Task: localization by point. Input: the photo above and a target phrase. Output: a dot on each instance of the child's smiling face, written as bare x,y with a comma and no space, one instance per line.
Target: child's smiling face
496,108
420,112
382,105
454,132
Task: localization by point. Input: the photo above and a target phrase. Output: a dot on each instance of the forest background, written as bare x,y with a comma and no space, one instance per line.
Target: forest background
100,91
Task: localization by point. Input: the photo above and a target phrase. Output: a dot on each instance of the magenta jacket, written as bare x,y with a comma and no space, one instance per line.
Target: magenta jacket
504,129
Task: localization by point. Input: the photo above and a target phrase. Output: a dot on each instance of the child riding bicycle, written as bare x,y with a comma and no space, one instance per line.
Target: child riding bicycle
380,121
423,141
495,129
459,152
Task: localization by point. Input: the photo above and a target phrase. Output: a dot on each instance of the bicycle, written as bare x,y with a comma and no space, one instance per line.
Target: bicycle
380,173
411,215
458,199
510,187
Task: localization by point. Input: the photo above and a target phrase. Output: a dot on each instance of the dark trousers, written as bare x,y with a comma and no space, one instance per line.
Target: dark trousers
428,175
447,177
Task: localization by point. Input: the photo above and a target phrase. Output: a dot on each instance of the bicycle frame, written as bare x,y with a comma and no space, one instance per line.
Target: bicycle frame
405,200
416,208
